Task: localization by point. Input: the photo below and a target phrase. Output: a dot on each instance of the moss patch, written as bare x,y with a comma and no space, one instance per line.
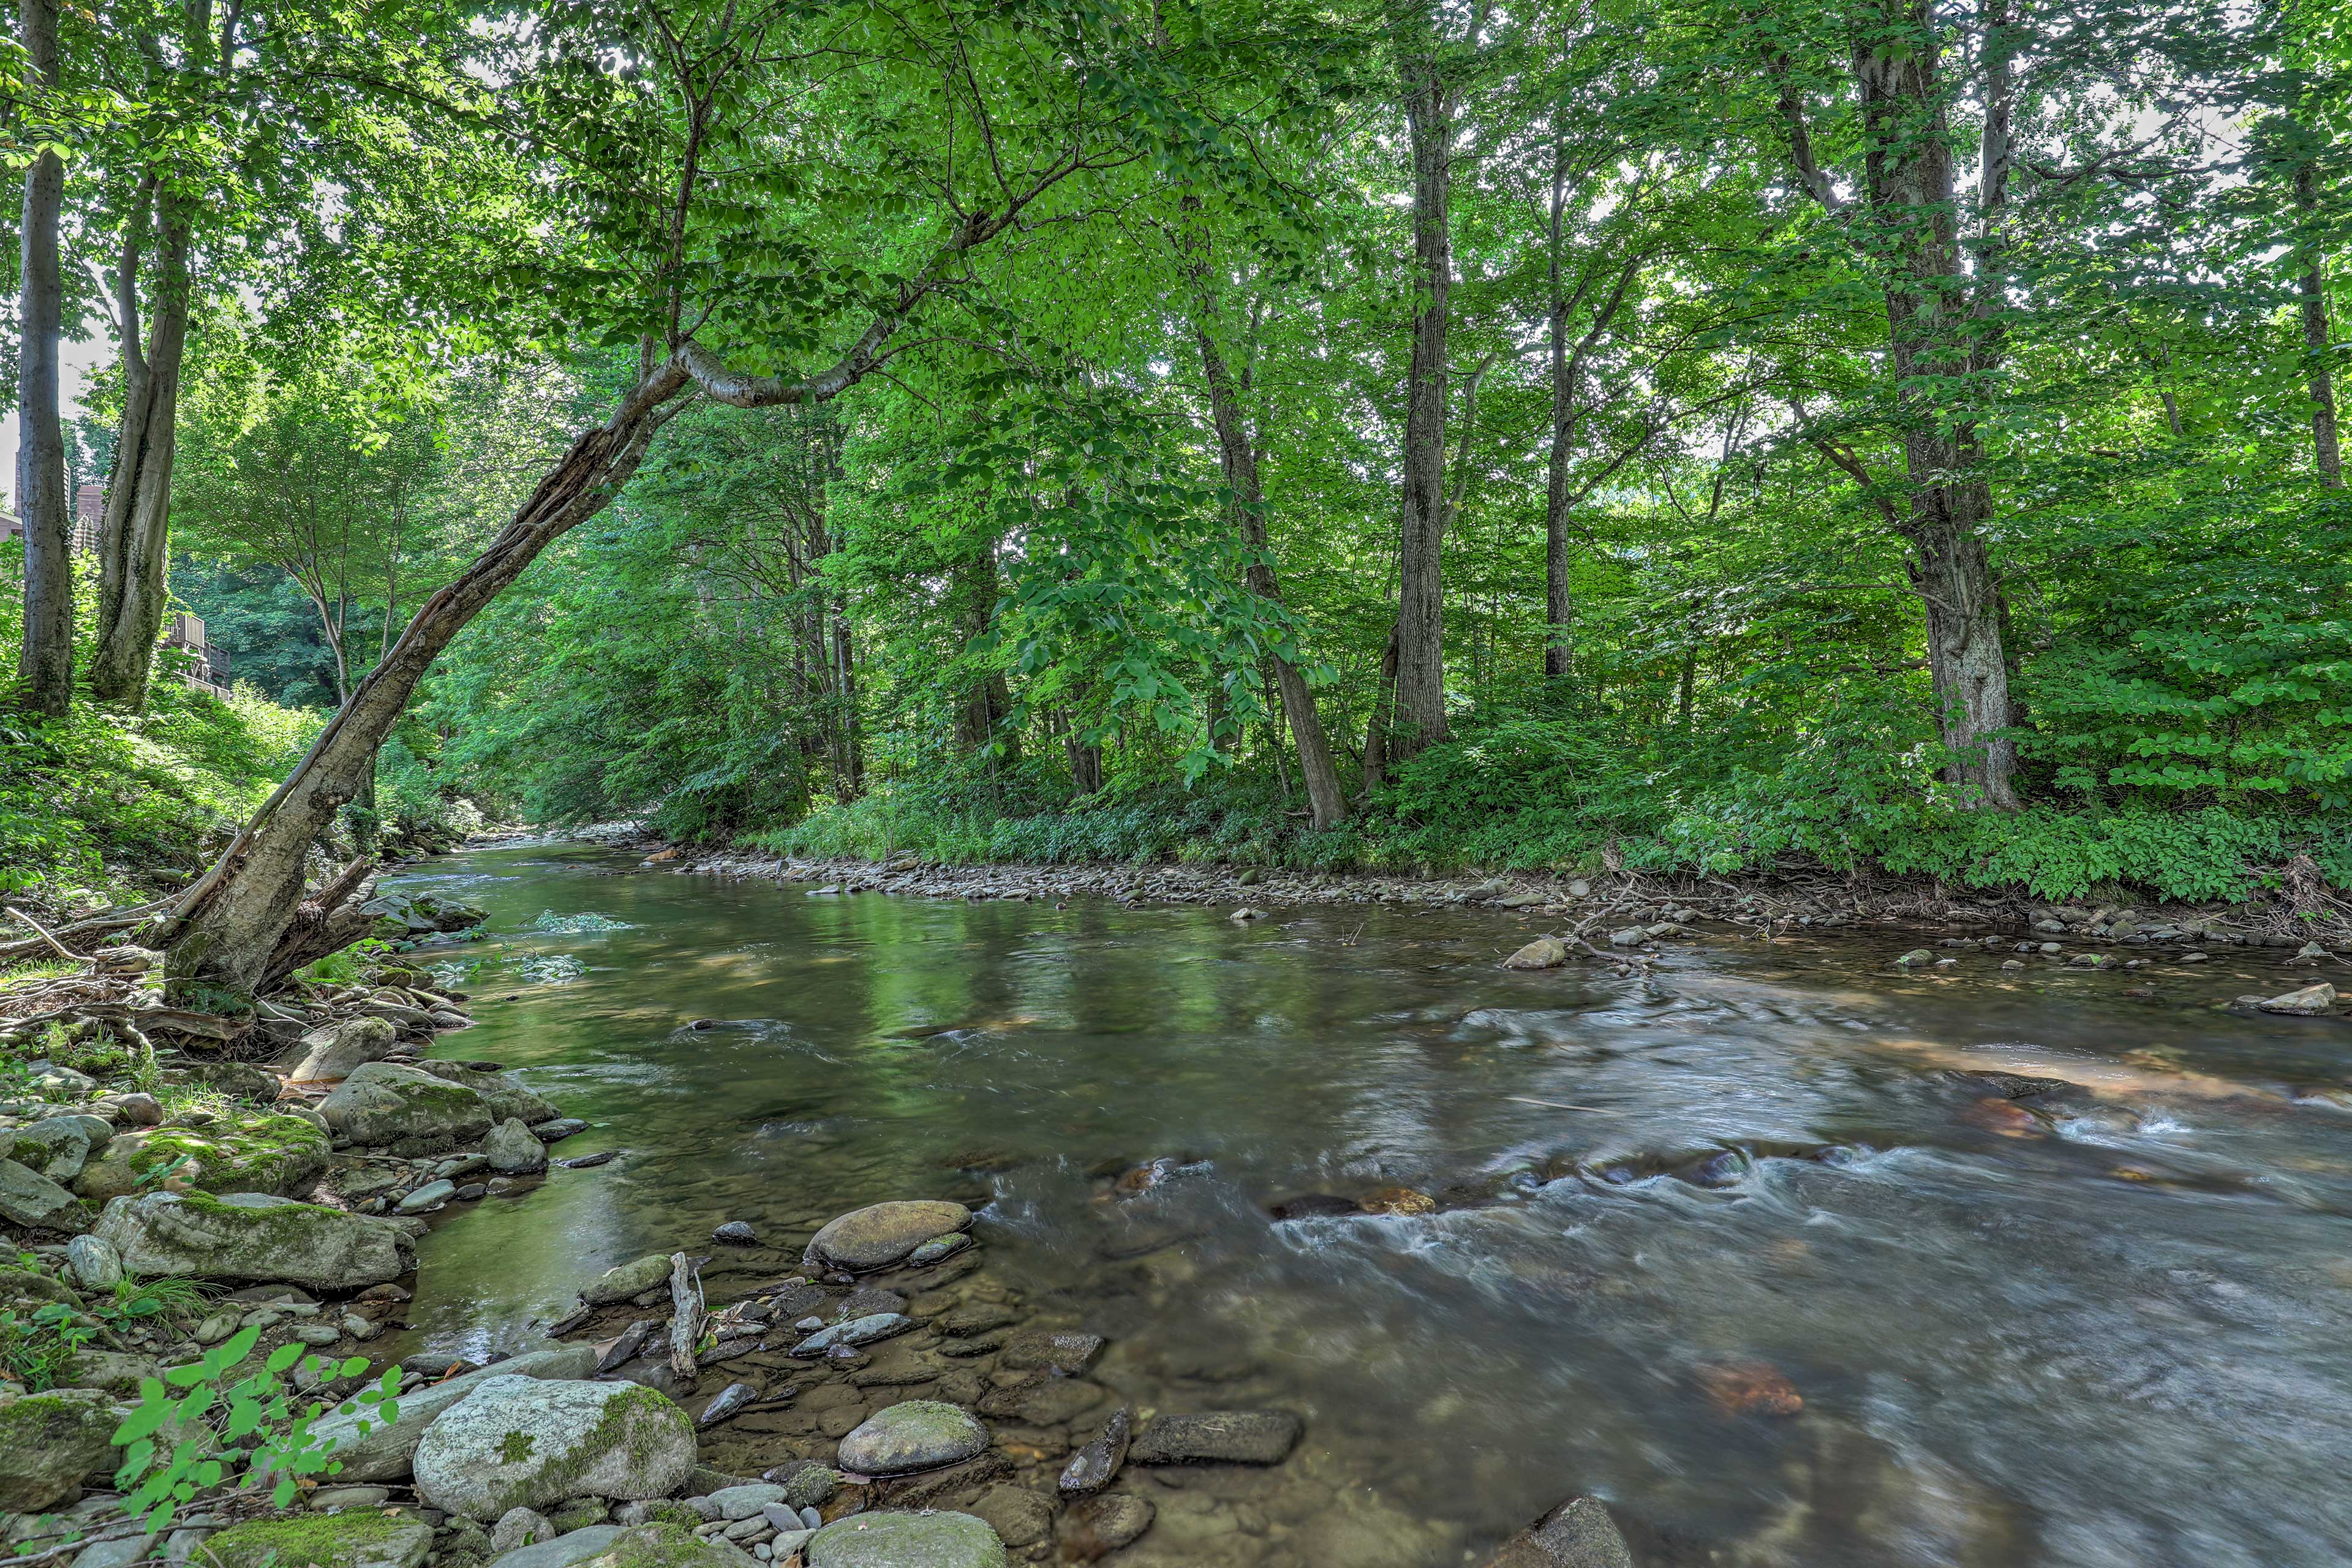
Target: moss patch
258,1152
320,1540
517,1447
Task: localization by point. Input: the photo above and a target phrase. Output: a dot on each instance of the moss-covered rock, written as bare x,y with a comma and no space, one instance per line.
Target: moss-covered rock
883,1234
906,1541
253,1153
356,1538
252,1238
407,1109
48,1442
509,1101
669,1546
518,1442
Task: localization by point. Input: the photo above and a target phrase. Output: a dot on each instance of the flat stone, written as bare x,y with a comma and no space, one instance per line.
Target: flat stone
557,1131
563,1551
251,1237
743,1501
1065,1350
431,1195
906,1541
1096,1466
1100,1525
624,1280
1223,1437
883,1234
939,1249
2310,1001
915,1434
1019,1516
855,1331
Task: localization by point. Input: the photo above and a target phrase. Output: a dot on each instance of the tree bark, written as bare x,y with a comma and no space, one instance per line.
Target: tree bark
45,665
2311,287
988,702
1936,336
133,545
1420,709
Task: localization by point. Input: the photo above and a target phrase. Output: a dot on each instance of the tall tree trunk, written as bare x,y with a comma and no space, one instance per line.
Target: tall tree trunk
1559,604
1378,723
133,546
2312,285
1934,340
988,702
220,937
45,665
1419,709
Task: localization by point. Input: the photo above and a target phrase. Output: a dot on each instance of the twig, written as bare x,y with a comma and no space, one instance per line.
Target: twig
63,952
1555,1105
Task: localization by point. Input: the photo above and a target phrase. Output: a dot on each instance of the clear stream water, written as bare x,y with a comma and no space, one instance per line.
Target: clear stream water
2110,1324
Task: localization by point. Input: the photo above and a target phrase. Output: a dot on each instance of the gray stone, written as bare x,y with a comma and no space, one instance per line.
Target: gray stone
883,1234
557,1131
736,1233
906,1541
327,1499
939,1249
252,1237
385,1452
731,1399
520,1527
743,1501
1223,1436
514,1149
2310,1001
334,1051
1100,1525
48,1442
1065,1350
856,1332
94,1263
29,1198
58,1146
564,1550
405,1108
1577,1535
431,1195
1629,936
809,1484
1019,1516
1096,1466
524,1441
1544,953
915,1434
627,1279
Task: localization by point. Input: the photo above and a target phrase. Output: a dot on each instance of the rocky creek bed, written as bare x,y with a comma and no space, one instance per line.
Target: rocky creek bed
909,1383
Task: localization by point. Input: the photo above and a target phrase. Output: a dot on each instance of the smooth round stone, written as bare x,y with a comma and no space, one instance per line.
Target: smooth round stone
917,1435
883,1234
939,1249
906,1541
736,1233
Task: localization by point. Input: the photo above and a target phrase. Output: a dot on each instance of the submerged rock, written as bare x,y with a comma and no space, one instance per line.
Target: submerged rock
906,1541
917,1435
1544,953
1223,1437
526,1442
883,1234
1065,1351
1096,1466
1579,1533
736,1233
1101,1525
252,1238
2310,1001
856,1332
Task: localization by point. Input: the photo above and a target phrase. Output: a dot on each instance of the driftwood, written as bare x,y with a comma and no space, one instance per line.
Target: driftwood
97,925
686,1316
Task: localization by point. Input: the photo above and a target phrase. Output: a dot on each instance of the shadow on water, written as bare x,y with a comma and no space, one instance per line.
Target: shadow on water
2060,1275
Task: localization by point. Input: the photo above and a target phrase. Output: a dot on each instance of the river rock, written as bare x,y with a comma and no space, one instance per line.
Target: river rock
1544,953
939,1249
1915,957
528,1442
94,1263
731,1399
918,1435
1223,1437
1066,1352
357,1539
244,1151
48,1442
736,1233
1101,1525
406,1108
1579,1533
2310,1001
58,1146
564,1550
514,1149
520,1527
1096,1466
238,1080
1019,1516
883,1234
431,1195
1629,936
420,914
252,1238
331,1052
624,1281
501,1091
557,1131
856,1332
906,1541
29,1198
386,1451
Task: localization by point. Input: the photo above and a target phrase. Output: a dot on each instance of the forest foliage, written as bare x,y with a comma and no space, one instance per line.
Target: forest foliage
1647,434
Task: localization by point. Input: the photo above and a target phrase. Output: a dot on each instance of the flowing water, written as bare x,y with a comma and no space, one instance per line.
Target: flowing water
2109,1323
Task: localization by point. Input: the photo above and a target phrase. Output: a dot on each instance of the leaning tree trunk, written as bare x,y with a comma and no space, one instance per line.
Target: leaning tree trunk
1419,709
2311,287
133,547
1934,342
222,937
1237,453
44,667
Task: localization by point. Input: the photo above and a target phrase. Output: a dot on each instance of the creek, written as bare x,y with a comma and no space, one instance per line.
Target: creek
2105,1320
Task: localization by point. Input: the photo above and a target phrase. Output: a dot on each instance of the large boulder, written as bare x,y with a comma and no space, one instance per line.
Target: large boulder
48,1442
501,1091
404,1107
29,1198
387,1450
356,1538
883,1234
523,1442
256,1152
914,1434
331,1052
252,1237
906,1541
